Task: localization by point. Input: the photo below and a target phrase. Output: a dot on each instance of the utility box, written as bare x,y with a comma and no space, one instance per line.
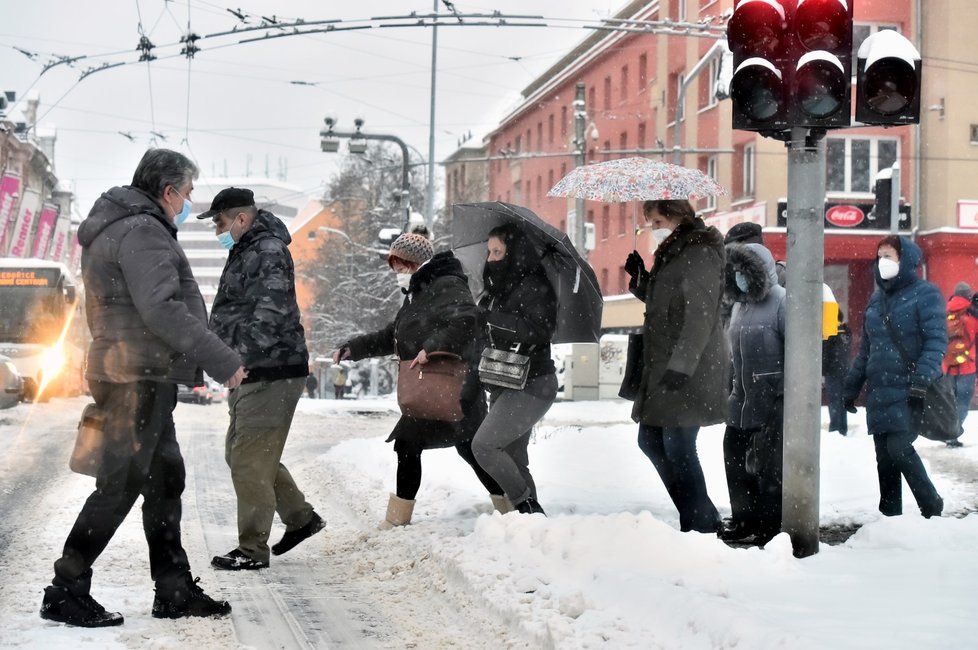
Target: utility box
581,368
611,370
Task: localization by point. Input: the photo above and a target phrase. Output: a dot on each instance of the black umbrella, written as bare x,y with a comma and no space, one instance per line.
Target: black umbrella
579,301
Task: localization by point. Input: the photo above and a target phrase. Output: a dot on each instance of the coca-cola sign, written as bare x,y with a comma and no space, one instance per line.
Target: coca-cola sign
845,216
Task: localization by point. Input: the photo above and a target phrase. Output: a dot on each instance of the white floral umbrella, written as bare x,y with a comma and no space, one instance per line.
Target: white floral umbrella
636,179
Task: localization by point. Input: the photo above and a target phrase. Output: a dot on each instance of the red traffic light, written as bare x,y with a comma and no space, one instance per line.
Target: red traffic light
823,24
888,80
757,28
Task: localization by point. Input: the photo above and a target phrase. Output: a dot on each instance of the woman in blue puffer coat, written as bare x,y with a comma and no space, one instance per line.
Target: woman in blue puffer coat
917,316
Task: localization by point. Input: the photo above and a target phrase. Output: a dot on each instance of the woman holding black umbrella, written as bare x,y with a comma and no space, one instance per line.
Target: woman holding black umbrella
520,306
685,357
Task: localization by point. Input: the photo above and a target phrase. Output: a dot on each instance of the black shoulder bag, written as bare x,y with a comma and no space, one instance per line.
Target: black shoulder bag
937,418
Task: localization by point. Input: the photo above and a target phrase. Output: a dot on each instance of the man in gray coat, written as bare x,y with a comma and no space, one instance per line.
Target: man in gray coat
149,332
255,312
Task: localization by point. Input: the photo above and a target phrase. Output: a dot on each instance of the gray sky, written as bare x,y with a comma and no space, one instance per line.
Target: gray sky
237,101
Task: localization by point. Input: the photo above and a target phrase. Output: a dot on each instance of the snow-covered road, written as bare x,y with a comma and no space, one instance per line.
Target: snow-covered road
607,568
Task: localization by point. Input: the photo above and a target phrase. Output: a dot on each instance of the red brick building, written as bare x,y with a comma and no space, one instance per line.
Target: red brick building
633,81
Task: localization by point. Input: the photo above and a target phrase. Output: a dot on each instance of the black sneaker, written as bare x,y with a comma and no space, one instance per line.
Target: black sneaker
530,506
291,539
62,606
237,560
187,600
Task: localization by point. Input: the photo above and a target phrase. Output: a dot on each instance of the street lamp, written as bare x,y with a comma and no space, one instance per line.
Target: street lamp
329,143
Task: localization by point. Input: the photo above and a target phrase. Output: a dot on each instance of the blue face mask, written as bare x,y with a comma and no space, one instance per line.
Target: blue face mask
181,216
741,281
226,240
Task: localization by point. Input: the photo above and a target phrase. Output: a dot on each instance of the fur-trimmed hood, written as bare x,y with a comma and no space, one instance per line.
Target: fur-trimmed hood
757,264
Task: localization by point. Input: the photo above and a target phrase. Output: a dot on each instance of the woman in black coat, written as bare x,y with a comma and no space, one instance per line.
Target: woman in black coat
438,315
520,306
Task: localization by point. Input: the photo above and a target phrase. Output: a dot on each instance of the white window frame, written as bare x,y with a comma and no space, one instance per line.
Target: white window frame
874,167
681,10
711,99
748,187
711,171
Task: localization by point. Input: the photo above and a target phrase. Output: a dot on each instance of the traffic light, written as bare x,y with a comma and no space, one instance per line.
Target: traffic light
792,64
887,80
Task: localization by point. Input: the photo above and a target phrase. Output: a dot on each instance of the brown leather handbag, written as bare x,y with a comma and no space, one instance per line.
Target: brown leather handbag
432,391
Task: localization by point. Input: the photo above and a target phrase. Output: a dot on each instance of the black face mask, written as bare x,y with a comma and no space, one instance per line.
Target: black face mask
493,276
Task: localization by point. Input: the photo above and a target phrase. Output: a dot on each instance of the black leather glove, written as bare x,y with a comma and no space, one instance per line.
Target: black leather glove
916,396
850,405
673,380
634,264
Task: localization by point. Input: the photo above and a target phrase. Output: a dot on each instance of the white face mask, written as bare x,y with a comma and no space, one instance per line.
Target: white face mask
888,268
660,234
403,280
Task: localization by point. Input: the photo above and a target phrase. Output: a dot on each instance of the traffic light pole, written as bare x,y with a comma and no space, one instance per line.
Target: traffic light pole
803,340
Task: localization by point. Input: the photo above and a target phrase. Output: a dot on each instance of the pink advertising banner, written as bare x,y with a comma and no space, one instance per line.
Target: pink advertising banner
74,263
9,193
60,239
29,206
45,228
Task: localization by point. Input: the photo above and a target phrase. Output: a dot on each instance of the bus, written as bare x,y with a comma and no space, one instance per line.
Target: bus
42,328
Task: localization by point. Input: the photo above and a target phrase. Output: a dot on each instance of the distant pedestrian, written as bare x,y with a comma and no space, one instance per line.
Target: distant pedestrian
904,312
311,385
520,307
753,439
339,382
438,315
685,379
959,360
149,332
255,312
835,365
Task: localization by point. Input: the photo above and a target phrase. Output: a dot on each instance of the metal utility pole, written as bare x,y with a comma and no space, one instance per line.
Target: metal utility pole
429,192
580,125
803,340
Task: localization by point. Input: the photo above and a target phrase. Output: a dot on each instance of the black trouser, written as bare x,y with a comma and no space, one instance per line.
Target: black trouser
753,462
896,458
409,470
142,457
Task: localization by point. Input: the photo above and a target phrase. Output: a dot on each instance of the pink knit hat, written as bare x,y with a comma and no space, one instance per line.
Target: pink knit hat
411,247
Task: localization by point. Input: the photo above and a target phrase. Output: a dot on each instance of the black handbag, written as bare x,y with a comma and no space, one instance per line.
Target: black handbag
634,364
936,418
504,368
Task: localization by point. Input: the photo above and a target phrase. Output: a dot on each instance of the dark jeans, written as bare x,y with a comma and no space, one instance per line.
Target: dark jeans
142,457
755,496
672,451
964,390
895,456
838,419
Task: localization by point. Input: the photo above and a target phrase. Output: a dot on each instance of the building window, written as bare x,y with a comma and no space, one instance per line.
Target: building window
641,135
974,134
607,148
852,163
539,189
550,128
711,171
540,135
604,282
623,141
624,83
622,220
643,72
713,79
519,141
605,222
529,141
680,108
550,179
563,121
592,102
749,162
607,93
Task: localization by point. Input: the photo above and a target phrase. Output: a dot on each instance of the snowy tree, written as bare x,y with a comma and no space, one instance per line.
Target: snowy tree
355,290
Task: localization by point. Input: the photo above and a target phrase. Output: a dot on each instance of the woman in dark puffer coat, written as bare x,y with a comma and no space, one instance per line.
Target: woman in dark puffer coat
916,314
438,315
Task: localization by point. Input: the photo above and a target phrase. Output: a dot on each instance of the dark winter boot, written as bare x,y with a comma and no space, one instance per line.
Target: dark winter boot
293,538
529,506
185,598
62,606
